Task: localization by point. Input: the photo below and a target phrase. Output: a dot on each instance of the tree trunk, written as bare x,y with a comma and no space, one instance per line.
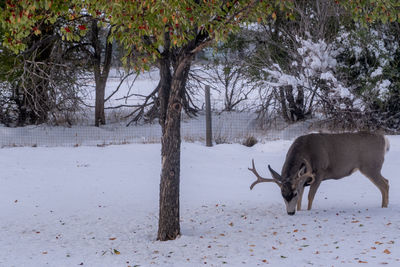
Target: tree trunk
282,99
295,106
165,85
100,72
99,116
171,96
168,225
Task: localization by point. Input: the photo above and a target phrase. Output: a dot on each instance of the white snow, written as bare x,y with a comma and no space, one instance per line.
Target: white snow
377,72
65,206
383,88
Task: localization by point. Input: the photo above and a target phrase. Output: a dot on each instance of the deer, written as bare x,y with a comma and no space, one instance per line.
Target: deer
317,157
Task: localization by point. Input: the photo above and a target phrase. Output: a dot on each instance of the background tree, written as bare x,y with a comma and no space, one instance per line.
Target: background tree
56,34
40,85
95,50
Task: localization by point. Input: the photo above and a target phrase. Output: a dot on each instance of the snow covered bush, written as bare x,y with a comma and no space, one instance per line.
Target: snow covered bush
369,65
296,58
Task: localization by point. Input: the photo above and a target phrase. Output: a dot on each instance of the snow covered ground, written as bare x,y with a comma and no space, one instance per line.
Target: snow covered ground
98,206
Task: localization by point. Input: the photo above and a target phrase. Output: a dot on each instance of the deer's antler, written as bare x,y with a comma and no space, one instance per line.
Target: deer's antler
259,178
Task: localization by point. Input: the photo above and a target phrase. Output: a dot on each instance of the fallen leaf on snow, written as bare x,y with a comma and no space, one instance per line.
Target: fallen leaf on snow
112,238
360,261
355,221
378,243
386,251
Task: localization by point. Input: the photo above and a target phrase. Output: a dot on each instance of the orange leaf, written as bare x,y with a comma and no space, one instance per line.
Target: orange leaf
165,19
386,251
295,230
356,221
360,261
112,238
378,243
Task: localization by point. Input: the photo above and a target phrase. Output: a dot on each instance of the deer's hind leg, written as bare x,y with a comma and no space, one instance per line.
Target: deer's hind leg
311,194
379,181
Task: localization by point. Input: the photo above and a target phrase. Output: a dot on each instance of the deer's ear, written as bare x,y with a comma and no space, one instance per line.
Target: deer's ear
274,174
302,170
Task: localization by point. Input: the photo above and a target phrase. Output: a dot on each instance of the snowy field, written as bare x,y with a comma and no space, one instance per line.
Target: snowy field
98,206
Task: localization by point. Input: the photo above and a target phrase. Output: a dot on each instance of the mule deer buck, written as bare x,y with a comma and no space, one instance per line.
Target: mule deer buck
314,158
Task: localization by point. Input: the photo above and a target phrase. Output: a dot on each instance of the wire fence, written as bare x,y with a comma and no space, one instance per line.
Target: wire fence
227,127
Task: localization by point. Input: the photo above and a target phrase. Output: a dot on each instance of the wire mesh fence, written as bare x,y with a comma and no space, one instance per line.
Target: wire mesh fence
227,127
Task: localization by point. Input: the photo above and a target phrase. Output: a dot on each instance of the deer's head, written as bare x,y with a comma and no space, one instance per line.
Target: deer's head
290,182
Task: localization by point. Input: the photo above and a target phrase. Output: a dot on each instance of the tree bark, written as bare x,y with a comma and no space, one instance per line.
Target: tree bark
282,99
100,72
171,97
165,84
296,108
168,225
99,115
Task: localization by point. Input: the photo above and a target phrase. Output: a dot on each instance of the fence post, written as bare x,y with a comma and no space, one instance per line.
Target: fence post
208,116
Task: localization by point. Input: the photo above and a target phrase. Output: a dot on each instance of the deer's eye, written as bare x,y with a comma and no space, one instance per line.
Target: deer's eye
294,194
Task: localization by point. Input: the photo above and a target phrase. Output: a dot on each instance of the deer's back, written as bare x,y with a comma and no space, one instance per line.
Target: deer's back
334,156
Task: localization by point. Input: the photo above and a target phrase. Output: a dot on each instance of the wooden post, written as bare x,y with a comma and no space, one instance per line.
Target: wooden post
208,116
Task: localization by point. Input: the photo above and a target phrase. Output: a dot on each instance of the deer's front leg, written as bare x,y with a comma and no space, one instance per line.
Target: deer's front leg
300,198
313,189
